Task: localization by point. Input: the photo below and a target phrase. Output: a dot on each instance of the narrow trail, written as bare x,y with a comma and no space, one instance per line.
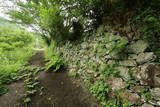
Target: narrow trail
59,90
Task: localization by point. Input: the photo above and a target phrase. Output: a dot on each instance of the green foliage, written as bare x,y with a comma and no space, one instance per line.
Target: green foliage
52,22
31,81
54,62
131,83
61,20
150,26
90,60
3,90
27,100
67,20
108,70
145,92
100,90
112,45
148,96
32,92
50,17
116,103
73,74
15,50
3,20
151,31
53,59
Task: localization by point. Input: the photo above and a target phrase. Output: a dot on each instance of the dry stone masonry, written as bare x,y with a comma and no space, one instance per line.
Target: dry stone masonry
138,79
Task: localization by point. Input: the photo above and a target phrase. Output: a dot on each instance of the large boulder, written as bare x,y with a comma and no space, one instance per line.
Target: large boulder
133,98
138,47
147,105
156,93
145,57
128,63
132,56
148,74
124,72
115,83
137,89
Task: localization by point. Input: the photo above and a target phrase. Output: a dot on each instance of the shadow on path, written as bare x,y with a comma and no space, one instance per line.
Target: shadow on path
59,90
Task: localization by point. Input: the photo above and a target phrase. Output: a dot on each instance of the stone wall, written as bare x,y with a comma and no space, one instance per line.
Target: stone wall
126,67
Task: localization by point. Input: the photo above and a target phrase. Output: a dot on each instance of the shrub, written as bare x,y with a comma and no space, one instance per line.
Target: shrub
53,59
15,50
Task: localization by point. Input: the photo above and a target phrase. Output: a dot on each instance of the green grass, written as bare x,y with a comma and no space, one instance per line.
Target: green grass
15,50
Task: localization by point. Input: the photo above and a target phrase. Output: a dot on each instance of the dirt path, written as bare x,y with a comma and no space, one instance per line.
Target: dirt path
59,90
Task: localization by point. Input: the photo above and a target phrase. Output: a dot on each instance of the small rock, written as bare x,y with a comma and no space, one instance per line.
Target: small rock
84,45
89,71
127,29
137,89
112,62
156,81
131,97
115,83
132,56
107,57
49,98
156,93
153,102
124,73
145,57
138,47
147,105
95,74
141,74
128,63
158,103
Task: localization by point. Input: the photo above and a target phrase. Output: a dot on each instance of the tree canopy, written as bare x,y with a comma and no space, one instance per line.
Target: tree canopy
68,19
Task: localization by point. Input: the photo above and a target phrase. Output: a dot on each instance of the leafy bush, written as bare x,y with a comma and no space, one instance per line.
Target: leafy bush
150,28
15,50
54,61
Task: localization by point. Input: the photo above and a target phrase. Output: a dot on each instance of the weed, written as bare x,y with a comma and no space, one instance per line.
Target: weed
53,59
27,100
31,81
73,74
100,90
3,90
109,70
31,92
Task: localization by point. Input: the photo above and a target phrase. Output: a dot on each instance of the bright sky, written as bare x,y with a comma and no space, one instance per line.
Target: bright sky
6,5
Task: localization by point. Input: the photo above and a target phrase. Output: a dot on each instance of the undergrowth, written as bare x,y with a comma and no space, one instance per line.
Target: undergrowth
102,92
149,26
30,78
53,60
15,50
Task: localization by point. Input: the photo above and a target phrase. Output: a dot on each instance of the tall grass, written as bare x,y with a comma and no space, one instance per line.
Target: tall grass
15,50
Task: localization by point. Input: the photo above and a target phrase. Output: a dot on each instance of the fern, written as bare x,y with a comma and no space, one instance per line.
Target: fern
54,62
